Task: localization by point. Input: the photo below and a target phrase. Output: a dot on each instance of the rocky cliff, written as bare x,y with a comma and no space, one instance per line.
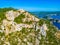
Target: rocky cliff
22,28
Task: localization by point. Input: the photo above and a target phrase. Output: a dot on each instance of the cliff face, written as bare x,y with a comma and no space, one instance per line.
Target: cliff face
21,28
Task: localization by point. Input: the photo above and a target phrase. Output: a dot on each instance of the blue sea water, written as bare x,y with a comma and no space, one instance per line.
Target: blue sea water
53,16
56,17
57,24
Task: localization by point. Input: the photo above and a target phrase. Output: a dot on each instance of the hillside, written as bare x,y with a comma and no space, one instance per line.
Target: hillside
19,27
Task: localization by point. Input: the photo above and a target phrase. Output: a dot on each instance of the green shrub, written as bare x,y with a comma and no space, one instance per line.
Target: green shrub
19,18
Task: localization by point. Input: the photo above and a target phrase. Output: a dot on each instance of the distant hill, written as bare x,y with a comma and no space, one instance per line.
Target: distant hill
47,12
7,9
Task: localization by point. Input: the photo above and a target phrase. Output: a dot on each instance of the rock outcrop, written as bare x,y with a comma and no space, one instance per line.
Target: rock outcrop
22,28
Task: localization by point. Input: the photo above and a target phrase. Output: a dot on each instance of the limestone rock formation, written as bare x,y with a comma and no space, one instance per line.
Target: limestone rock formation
22,28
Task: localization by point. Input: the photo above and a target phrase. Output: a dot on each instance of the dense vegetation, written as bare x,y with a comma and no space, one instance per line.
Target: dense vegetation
19,18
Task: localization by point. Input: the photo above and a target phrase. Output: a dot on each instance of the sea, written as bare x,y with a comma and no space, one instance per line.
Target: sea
54,16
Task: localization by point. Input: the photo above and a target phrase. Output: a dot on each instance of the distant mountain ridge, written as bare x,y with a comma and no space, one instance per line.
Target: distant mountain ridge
46,12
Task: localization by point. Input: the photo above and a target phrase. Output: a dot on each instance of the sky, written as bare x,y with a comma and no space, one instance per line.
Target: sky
32,5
